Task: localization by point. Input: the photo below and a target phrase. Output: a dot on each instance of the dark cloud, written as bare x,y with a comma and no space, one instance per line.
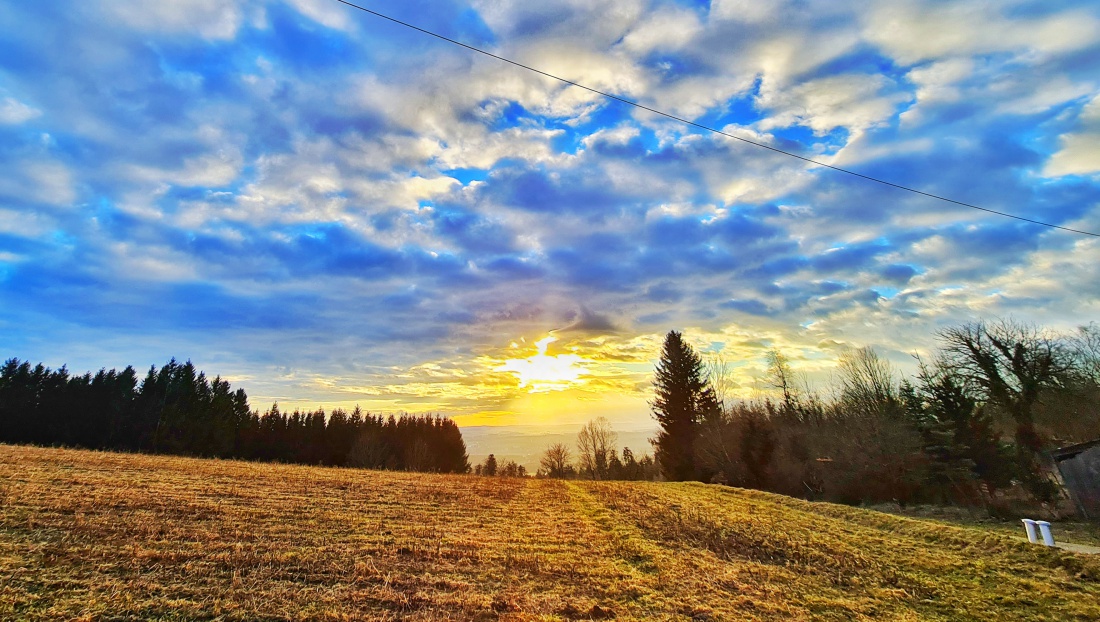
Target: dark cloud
752,307
552,192
473,232
848,258
588,323
664,292
515,268
898,274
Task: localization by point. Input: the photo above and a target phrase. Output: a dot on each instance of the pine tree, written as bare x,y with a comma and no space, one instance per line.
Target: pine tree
681,394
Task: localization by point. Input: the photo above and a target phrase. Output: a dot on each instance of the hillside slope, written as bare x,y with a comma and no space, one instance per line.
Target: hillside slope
98,535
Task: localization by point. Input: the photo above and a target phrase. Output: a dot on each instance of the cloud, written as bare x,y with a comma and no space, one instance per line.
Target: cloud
207,170
1080,151
899,274
212,19
745,10
586,322
329,14
751,307
313,197
913,31
13,112
662,30
38,181
853,101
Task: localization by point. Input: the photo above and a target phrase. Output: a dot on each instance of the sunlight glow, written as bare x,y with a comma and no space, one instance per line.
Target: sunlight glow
543,372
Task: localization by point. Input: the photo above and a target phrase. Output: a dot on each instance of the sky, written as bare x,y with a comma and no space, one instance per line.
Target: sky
328,209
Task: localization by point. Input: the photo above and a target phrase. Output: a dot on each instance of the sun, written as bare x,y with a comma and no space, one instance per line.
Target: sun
542,372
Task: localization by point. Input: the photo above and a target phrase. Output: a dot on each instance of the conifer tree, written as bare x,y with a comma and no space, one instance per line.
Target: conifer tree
681,396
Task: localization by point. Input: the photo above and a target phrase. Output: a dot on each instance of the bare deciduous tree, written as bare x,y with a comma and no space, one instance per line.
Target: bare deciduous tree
781,378
555,460
719,374
1072,414
1086,351
1011,365
867,385
595,442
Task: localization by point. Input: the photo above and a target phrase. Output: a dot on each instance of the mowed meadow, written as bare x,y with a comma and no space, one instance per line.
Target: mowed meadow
89,535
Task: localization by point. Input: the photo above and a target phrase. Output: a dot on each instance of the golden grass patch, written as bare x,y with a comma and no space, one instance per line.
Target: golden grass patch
89,535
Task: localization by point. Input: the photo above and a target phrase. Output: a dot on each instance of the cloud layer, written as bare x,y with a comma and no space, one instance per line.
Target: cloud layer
329,208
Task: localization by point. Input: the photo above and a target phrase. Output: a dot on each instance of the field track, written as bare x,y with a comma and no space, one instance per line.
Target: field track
101,536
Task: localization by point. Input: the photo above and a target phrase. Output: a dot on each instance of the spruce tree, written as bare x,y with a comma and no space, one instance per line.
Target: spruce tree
681,394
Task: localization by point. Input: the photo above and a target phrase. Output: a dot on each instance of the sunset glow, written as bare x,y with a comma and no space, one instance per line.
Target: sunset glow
542,372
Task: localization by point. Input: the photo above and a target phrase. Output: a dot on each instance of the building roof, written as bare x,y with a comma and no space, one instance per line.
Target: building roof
1065,453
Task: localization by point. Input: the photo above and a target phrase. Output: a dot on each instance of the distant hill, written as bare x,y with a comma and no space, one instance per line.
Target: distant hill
94,535
525,444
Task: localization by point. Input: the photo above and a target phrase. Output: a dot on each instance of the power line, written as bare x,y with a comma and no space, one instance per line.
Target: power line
708,128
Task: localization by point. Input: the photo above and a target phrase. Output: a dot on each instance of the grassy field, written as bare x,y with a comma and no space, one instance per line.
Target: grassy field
99,536
1066,530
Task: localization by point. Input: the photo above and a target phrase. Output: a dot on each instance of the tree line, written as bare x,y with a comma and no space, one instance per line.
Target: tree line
178,410
596,457
492,468
972,427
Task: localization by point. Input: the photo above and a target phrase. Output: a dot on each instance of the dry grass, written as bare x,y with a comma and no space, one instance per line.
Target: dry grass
94,536
1065,530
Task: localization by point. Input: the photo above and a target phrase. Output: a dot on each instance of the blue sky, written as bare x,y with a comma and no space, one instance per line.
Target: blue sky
330,209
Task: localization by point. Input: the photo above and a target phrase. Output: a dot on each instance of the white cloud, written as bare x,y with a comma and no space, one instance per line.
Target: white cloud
938,82
208,170
1080,151
1026,90
144,263
1065,302
616,73
483,150
852,101
14,112
662,30
782,56
750,11
25,224
211,19
1079,155
619,135
912,31
1038,94
40,180
691,96
325,12
452,112
218,164
862,149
